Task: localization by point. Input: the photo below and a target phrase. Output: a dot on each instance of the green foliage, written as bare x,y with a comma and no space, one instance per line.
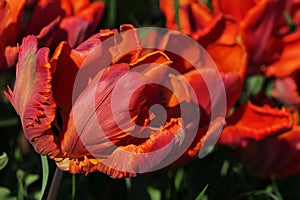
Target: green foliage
202,195
45,174
3,160
5,193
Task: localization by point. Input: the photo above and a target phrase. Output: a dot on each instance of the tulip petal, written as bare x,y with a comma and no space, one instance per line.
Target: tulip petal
32,97
35,23
229,58
235,8
254,123
11,18
127,161
289,60
259,25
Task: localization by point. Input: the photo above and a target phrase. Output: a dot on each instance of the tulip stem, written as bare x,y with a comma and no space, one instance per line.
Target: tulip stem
55,184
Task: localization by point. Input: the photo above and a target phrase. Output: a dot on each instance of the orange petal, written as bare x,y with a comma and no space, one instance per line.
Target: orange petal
254,123
229,58
235,8
11,19
289,60
193,15
127,161
32,97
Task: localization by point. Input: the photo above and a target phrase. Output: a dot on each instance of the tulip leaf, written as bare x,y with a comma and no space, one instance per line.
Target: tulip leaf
111,7
30,178
21,191
178,178
276,191
154,193
176,7
225,168
9,122
252,86
45,174
73,186
260,194
289,21
5,193
3,160
255,84
202,195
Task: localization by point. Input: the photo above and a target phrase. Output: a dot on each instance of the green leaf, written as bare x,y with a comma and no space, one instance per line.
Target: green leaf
255,84
268,90
259,194
154,193
3,160
276,191
9,122
111,7
45,174
289,21
73,186
5,194
202,195
176,7
225,168
21,191
178,178
128,183
30,178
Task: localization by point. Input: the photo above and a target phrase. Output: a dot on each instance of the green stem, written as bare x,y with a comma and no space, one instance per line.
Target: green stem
73,186
176,8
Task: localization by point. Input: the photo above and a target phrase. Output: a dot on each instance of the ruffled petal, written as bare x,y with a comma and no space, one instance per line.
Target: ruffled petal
127,161
32,97
254,123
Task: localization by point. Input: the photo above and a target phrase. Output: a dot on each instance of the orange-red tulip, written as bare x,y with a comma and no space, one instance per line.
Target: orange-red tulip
52,21
64,122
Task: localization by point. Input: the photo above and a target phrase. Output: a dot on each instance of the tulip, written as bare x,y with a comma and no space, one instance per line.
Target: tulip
285,72
265,140
65,20
218,34
111,120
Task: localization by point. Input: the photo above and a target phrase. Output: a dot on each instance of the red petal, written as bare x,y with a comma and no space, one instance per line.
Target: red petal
259,25
127,161
236,8
11,19
32,97
229,58
289,60
71,143
254,123
35,24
